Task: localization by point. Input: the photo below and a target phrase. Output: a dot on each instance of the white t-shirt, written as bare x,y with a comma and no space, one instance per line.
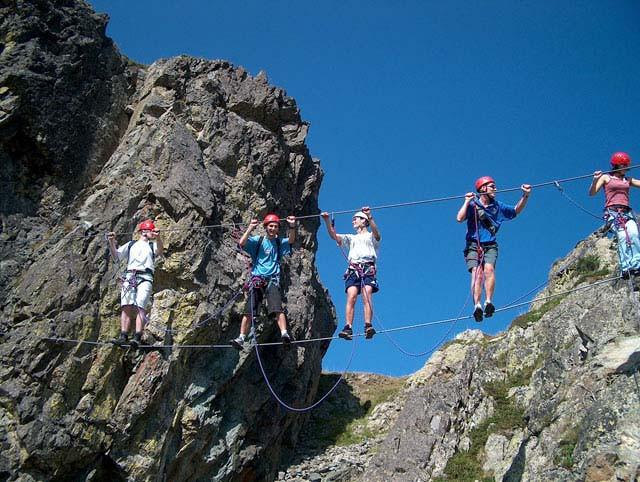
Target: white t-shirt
140,255
363,247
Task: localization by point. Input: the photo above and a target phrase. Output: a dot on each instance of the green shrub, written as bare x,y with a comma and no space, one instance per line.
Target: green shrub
567,445
507,416
533,316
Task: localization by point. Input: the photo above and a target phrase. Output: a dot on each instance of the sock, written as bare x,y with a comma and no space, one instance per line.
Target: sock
242,336
478,305
486,302
283,332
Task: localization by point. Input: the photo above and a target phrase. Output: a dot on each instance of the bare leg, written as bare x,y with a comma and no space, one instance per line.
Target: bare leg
245,325
129,313
282,322
352,294
368,304
140,320
489,280
476,283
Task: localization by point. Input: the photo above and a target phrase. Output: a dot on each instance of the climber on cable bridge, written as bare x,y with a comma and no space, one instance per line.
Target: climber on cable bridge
137,282
266,252
484,215
362,257
618,213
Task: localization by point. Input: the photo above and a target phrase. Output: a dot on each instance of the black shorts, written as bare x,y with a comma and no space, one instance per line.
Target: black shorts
274,299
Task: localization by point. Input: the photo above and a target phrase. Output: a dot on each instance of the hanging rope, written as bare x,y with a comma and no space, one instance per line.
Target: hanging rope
266,378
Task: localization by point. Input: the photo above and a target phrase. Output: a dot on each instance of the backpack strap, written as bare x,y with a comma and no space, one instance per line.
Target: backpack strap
255,258
131,243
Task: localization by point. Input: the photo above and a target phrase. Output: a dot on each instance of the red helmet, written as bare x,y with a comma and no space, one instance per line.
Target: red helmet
482,181
146,226
620,159
271,218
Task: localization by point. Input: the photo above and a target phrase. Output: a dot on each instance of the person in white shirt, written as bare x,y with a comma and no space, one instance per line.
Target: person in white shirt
138,280
363,254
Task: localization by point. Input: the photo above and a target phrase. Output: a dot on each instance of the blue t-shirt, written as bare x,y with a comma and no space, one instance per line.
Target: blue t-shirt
496,211
266,263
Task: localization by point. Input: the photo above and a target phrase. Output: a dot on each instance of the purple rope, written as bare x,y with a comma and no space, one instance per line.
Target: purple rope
266,378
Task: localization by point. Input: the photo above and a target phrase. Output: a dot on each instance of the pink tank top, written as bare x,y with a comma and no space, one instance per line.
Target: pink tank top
616,192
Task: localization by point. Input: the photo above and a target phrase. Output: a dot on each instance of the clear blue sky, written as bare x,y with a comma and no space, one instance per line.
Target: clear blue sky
414,100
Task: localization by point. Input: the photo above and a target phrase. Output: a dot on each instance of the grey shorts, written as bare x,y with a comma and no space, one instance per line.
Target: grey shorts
490,254
274,300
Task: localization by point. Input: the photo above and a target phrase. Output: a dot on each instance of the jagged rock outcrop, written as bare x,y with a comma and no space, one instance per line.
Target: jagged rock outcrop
93,143
553,398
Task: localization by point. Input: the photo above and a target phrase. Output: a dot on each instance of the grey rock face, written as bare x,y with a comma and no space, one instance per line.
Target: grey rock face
553,398
190,143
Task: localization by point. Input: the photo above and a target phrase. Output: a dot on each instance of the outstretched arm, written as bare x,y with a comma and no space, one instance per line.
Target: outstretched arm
526,192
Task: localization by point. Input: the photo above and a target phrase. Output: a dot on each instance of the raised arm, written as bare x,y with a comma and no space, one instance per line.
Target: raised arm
526,192
292,229
332,232
462,212
244,238
597,182
111,240
159,242
372,224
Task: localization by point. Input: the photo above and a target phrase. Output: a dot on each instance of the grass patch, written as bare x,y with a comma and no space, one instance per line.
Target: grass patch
465,465
533,316
567,445
588,269
357,430
587,264
342,418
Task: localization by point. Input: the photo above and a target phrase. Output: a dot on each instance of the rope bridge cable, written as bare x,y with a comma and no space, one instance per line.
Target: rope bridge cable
373,208
572,201
313,340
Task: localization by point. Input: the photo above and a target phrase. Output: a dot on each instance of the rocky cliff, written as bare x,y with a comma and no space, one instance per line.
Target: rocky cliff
91,142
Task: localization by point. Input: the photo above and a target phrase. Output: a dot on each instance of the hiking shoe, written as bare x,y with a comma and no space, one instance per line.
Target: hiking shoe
238,343
369,331
489,309
625,275
286,340
477,314
346,333
122,340
136,341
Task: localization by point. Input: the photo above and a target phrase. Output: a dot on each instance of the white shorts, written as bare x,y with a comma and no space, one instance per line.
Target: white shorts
136,291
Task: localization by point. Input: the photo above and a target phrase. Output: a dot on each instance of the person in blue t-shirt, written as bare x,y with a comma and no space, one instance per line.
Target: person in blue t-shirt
484,217
266,251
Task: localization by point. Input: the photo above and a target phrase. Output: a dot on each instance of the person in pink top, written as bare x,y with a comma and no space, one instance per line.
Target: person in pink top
618,211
